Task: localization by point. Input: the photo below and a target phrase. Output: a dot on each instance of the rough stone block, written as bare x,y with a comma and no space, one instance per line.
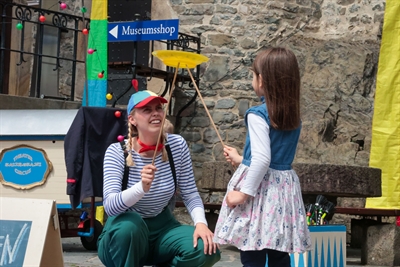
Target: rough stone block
326,179
382,245
216,175
339,180
358,231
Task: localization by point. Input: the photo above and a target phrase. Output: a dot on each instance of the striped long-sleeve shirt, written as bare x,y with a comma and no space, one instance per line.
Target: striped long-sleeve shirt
150,204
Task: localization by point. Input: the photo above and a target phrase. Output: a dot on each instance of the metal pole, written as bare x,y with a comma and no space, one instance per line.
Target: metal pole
135,52
2,47
40,58
72,96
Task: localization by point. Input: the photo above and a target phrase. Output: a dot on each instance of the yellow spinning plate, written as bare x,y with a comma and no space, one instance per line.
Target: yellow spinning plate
185,59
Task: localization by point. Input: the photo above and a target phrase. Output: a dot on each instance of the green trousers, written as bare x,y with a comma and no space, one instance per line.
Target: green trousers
128,240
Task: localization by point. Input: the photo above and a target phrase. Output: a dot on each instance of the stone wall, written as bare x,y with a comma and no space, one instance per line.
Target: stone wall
337,44
66,51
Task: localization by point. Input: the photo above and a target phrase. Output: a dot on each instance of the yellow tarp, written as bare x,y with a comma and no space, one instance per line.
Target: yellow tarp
385,147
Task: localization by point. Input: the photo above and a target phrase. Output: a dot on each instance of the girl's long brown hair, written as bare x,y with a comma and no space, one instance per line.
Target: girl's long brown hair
280,76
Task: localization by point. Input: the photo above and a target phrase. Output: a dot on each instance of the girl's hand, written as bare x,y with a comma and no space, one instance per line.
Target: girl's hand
147,174
202,231
232,155
235,198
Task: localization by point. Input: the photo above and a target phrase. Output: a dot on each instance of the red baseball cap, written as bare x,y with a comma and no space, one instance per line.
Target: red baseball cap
142,98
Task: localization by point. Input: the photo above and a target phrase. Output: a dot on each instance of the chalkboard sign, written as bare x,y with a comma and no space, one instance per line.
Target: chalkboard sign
29,233
14,236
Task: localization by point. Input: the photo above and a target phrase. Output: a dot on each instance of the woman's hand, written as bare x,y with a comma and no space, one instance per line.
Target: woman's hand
235,198
232,155
147,174
202,231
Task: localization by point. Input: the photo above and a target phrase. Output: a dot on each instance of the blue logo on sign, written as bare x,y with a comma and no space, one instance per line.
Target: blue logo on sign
143,30
24,166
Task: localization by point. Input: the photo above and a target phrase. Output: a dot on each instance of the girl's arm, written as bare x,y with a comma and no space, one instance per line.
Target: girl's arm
232,155
260,153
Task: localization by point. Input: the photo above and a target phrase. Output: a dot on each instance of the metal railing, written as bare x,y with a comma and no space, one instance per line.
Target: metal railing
35,20
25,18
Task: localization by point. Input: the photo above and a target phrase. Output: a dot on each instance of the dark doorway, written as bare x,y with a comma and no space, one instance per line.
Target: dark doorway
126,55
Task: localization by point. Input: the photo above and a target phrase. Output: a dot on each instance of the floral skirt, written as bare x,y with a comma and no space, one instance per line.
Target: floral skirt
274,219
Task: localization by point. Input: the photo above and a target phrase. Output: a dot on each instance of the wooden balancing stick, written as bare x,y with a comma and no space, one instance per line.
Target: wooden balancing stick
165,113
205,107
175,58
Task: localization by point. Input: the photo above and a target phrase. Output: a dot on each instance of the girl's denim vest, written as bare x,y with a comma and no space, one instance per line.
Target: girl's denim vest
283,143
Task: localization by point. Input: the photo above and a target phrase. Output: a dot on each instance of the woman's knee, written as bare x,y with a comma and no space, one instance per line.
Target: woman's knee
125,227
207,259
123,241
210,260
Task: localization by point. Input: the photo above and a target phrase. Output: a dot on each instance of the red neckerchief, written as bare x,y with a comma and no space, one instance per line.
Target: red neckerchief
147,147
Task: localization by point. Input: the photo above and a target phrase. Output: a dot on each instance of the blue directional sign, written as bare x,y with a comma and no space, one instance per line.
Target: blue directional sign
147,30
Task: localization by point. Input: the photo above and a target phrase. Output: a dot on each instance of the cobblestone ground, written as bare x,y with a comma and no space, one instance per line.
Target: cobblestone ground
75,255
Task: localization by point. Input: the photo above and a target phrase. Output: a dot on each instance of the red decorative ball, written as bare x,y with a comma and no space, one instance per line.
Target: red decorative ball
117,113
63,5
100,75
85,31
120,138
90,51
135,84
42,18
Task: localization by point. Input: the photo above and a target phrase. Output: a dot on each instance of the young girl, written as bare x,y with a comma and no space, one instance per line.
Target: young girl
263,212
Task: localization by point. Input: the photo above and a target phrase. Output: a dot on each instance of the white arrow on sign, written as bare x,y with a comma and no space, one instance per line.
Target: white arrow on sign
114,32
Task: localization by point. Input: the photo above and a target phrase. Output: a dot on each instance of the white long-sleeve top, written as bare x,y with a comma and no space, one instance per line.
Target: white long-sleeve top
260,144
152,203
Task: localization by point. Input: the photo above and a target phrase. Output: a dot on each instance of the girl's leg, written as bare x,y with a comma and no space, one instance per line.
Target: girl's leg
175,249
253,258
124,241
278,258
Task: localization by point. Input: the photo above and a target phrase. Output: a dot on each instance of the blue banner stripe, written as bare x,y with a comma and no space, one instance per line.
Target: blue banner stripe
97,93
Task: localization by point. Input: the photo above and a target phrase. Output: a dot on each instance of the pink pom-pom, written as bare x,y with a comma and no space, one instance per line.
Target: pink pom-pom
120,138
